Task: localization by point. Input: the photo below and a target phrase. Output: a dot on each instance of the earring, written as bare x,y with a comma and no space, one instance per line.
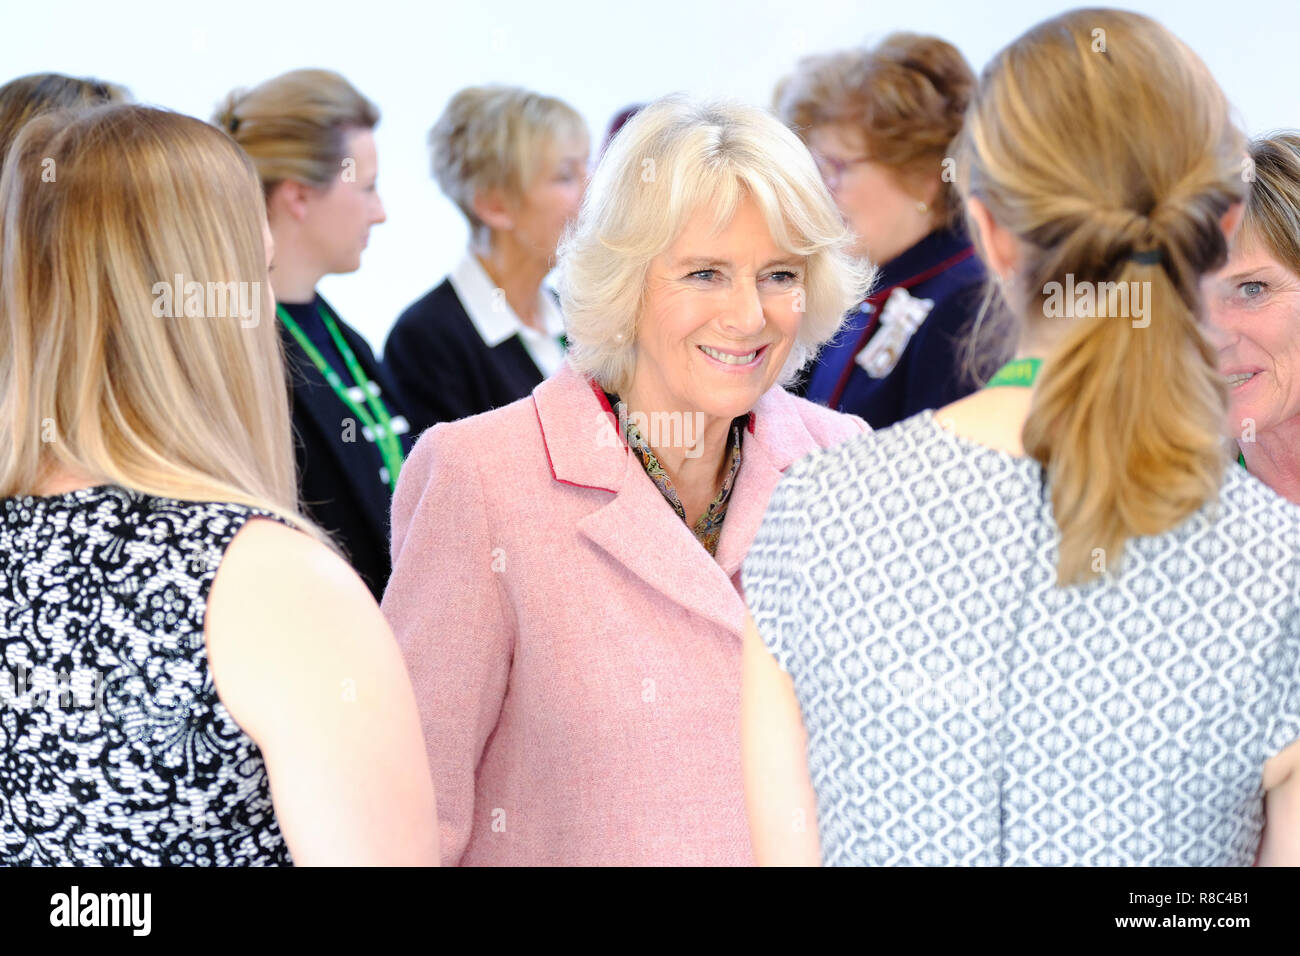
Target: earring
921,207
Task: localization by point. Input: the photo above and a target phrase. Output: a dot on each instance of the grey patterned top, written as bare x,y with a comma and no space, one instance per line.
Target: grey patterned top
963,709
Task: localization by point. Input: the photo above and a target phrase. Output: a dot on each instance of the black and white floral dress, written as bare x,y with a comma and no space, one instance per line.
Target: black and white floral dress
114,748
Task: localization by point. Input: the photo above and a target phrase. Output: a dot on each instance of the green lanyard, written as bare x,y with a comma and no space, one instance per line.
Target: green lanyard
1018,372
1241,459
380,424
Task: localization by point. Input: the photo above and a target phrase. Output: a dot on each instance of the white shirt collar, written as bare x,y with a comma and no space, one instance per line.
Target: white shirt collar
493,318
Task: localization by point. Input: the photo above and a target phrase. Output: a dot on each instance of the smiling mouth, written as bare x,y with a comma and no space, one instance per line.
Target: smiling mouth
730,358
1239,378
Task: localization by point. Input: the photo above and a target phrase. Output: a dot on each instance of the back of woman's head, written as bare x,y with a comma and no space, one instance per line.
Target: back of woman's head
295,126
136,338
27,97
1106,148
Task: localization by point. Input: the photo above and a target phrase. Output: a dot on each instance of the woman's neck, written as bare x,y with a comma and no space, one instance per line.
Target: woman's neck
691,447
61,479
518,272
295,276
1274,458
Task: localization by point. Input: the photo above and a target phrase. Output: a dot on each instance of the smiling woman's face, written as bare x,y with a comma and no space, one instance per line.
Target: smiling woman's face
1253,306
721,313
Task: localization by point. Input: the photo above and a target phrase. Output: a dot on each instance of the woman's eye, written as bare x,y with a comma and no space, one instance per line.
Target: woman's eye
705,274
1249,292
785,278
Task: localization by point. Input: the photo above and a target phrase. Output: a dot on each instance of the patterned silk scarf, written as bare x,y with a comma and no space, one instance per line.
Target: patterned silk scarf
709,526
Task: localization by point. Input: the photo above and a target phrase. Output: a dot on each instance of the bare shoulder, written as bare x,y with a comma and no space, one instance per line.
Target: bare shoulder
270,567
282,605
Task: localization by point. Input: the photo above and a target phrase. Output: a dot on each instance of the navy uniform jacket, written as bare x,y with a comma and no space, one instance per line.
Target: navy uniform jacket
891,360
339,480
444,368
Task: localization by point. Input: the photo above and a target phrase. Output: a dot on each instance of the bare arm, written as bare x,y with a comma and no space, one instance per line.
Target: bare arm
1280,845
306,665
778,793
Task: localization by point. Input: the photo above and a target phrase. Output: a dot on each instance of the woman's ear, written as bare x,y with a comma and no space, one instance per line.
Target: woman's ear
288,198
492,210
1231,220
997,245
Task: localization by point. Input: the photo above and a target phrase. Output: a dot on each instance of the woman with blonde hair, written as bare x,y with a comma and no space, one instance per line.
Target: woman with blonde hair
26,97
1046,624
1254,312
309,133
192,675
565,569
515,164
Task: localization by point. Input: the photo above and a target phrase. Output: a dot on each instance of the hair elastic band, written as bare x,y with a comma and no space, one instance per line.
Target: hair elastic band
1148,257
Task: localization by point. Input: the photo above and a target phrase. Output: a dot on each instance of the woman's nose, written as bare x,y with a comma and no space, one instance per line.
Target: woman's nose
745,312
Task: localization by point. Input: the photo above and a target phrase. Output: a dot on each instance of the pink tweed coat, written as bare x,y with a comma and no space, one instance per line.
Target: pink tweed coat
574,649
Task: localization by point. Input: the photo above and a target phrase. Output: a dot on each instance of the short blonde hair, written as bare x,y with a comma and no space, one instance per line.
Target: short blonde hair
1272,216
492,137
676,156
91,377
294,126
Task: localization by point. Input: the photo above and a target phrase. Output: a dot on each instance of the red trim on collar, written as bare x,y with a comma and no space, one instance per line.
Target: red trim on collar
551,464
604,403
600,396
877,299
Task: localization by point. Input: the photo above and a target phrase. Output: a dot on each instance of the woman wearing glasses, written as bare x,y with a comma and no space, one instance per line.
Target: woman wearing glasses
879,122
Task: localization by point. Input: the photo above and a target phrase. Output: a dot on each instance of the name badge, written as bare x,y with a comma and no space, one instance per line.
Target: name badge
900,317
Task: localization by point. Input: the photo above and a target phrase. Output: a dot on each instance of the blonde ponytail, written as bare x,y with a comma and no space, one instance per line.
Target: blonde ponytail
1124,201
1125,421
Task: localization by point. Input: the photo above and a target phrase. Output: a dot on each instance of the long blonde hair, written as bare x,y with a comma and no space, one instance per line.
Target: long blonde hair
1095,137
99,211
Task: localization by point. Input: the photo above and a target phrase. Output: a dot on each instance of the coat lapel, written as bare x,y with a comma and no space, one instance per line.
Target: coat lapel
636,526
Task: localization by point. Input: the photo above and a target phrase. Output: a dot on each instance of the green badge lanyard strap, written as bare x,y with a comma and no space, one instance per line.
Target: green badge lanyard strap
380,424
1018,372
1022,372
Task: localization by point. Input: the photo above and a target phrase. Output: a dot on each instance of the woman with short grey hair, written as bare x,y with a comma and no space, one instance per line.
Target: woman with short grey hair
567,588
515,164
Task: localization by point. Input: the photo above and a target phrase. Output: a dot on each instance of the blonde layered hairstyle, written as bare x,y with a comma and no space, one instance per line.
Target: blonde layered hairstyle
1095,136
675,157
494,137
194,408
1272,217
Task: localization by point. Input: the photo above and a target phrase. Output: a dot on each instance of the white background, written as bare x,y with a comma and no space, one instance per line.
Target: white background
599,56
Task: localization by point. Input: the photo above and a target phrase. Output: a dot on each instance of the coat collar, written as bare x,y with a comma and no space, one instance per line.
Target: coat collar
635,525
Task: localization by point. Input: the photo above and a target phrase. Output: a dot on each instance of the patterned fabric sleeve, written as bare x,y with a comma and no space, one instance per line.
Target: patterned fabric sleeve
774,572
1284,727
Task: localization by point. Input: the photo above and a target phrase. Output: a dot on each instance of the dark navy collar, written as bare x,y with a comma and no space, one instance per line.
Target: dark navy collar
929,251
